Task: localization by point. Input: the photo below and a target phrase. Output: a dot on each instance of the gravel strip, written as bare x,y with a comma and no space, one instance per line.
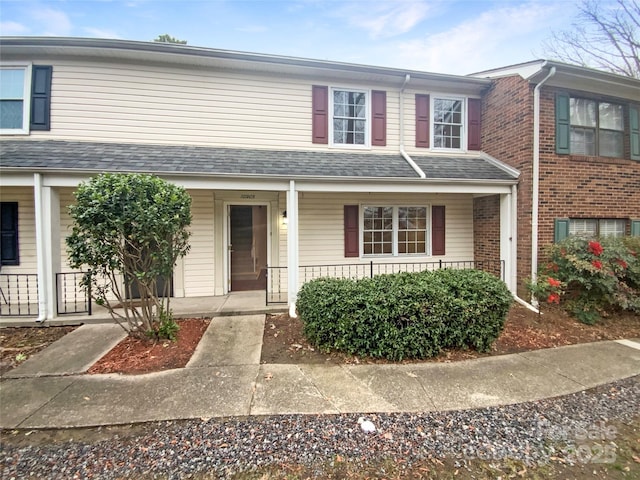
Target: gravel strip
529,432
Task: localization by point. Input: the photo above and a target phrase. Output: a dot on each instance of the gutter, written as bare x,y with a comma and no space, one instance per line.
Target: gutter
535,186
404,154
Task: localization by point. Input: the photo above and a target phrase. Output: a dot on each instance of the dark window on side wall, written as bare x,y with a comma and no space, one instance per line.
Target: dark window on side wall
9,233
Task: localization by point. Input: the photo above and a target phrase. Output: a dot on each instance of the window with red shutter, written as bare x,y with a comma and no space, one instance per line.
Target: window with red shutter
320,108
351,231
422,120
437,230
474,114
379,118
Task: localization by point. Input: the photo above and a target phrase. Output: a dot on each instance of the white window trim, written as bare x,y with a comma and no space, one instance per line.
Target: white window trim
394,246
367,118
26,105
465,122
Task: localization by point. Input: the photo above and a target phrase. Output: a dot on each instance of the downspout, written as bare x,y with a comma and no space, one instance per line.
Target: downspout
535,180
41,263
404,154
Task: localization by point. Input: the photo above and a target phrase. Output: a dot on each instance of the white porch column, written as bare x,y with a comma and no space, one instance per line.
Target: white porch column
507,252
292,246
47,217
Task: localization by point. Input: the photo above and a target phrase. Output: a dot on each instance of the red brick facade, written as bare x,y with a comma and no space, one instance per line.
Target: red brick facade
570,186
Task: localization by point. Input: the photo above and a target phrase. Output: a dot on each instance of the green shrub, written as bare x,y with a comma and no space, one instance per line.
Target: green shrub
404,315
593,275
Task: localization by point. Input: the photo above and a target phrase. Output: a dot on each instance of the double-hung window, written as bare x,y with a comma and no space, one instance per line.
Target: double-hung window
14,99
389,230
350,117
448,126
597,128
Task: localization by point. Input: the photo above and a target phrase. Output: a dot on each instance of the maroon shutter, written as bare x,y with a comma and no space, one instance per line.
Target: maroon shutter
422,120
351,231
475,113
437,230
320,108
379,118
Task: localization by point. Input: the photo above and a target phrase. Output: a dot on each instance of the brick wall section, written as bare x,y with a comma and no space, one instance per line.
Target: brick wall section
571,186
486,229
507,135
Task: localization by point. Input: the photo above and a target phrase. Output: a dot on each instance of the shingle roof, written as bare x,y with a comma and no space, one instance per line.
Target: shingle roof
117,157
461,167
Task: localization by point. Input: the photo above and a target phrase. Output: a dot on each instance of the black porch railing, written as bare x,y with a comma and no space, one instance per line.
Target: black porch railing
18,294
277,281
73,297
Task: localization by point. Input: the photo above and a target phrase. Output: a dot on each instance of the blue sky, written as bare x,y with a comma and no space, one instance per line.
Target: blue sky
446,36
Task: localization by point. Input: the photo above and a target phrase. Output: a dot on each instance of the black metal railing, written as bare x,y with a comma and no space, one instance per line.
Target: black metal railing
277,276
73,297
277,283
18,294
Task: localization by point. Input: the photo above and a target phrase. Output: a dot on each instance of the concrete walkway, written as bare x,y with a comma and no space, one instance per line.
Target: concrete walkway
224,378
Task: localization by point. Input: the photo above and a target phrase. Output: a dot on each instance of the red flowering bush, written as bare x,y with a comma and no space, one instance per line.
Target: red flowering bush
547,288
595,248
591,277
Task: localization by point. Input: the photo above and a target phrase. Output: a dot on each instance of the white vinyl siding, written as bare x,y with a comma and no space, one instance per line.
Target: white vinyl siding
163,105
199,264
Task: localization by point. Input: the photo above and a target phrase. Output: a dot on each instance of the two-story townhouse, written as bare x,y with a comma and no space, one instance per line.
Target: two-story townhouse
573,133
296,167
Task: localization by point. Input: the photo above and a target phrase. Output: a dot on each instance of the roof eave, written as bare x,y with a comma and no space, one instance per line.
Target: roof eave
256,176
171,53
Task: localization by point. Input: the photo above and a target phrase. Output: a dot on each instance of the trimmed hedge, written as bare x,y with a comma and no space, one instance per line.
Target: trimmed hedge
405,315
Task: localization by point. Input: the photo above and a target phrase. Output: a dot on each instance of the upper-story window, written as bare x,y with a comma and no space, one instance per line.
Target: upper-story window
14,100
349,117
448,124
25,98
597,128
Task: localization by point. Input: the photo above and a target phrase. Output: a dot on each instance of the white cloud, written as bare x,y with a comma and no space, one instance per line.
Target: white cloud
53,22
100,33
252,29
384,19
487,41
12,28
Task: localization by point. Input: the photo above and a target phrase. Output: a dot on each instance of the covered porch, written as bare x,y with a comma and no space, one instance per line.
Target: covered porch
234,303
362,211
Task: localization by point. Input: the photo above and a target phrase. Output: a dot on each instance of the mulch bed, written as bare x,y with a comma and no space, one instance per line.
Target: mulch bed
135,356
19,343
524,330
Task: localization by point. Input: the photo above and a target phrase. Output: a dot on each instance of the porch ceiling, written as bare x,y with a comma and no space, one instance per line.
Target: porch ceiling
87,157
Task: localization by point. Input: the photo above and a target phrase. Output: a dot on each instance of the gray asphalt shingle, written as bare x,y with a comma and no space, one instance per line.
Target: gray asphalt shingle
89,156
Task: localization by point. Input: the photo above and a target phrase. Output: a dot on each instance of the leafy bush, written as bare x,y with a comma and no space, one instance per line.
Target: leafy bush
404,315
592,275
